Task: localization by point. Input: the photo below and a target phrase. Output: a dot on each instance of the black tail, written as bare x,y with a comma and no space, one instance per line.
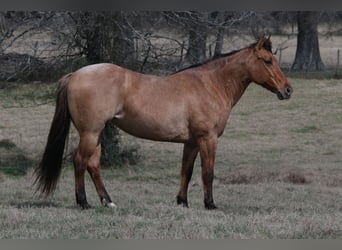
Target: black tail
49,169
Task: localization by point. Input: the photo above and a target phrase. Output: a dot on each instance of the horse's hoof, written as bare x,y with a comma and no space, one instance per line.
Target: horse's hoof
182,201
85,206
210,206
108,204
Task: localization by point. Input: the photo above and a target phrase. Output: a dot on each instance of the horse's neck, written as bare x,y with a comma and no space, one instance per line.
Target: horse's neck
237,88
235,78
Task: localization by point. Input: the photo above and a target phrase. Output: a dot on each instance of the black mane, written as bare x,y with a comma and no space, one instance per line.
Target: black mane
267,45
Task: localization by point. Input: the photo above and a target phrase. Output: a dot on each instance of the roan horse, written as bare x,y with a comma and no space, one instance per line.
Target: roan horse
190,107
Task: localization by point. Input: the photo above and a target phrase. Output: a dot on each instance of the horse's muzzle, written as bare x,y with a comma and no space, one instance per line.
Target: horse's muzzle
286,94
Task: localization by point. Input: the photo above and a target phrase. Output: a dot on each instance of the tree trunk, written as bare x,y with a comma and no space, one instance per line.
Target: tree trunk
122,49
219,34
94,52
197,39
108,37
308,56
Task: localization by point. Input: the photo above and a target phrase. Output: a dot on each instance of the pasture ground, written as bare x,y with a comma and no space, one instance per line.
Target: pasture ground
277,175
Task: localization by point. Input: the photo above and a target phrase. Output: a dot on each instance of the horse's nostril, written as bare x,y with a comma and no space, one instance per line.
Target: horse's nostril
288,91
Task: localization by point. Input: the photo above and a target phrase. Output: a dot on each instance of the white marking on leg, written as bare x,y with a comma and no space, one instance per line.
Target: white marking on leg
107,204
111,204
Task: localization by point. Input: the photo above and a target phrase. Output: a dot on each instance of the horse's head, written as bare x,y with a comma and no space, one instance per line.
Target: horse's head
265,70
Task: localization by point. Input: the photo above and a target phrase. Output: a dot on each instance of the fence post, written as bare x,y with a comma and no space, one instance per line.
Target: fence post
337,63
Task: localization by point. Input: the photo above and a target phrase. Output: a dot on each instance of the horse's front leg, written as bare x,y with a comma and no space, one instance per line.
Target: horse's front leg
207,148
190,152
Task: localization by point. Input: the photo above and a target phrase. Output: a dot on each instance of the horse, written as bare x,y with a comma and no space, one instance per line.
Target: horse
190,106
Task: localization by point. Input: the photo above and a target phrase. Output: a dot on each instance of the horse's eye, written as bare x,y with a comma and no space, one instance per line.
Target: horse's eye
268,62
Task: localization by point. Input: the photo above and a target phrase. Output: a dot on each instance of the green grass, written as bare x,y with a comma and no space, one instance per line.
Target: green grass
13,161
277,176
7,144
306,129
23,95
246,211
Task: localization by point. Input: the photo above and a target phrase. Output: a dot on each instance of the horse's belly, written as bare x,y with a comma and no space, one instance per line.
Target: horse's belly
155,128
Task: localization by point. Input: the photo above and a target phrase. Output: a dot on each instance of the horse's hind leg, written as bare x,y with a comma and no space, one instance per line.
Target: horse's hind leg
94,171
80,166
88,158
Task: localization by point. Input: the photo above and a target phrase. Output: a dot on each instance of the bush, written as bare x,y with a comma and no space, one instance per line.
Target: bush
113,153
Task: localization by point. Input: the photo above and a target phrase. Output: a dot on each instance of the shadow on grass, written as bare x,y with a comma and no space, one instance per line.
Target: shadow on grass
34,204
12,160
292,176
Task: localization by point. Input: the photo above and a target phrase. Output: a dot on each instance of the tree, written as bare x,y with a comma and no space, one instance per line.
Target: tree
308,56
197,37
17,26
107,37
104,37
201,27
200,24
220,32
227,22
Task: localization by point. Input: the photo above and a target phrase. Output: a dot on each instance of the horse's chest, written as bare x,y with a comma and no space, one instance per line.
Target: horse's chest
221,123
213,122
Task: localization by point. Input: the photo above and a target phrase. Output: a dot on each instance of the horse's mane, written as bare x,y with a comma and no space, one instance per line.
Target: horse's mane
266,45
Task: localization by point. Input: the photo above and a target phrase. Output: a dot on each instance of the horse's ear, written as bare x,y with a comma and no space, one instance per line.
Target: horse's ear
260,43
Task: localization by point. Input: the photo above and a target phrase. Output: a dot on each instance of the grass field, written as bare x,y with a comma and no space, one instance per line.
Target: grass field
277,175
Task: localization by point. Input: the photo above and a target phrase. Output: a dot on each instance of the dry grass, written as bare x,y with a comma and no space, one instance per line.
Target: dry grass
277,175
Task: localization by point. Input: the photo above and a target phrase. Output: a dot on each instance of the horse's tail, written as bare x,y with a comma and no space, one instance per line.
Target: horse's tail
49,169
